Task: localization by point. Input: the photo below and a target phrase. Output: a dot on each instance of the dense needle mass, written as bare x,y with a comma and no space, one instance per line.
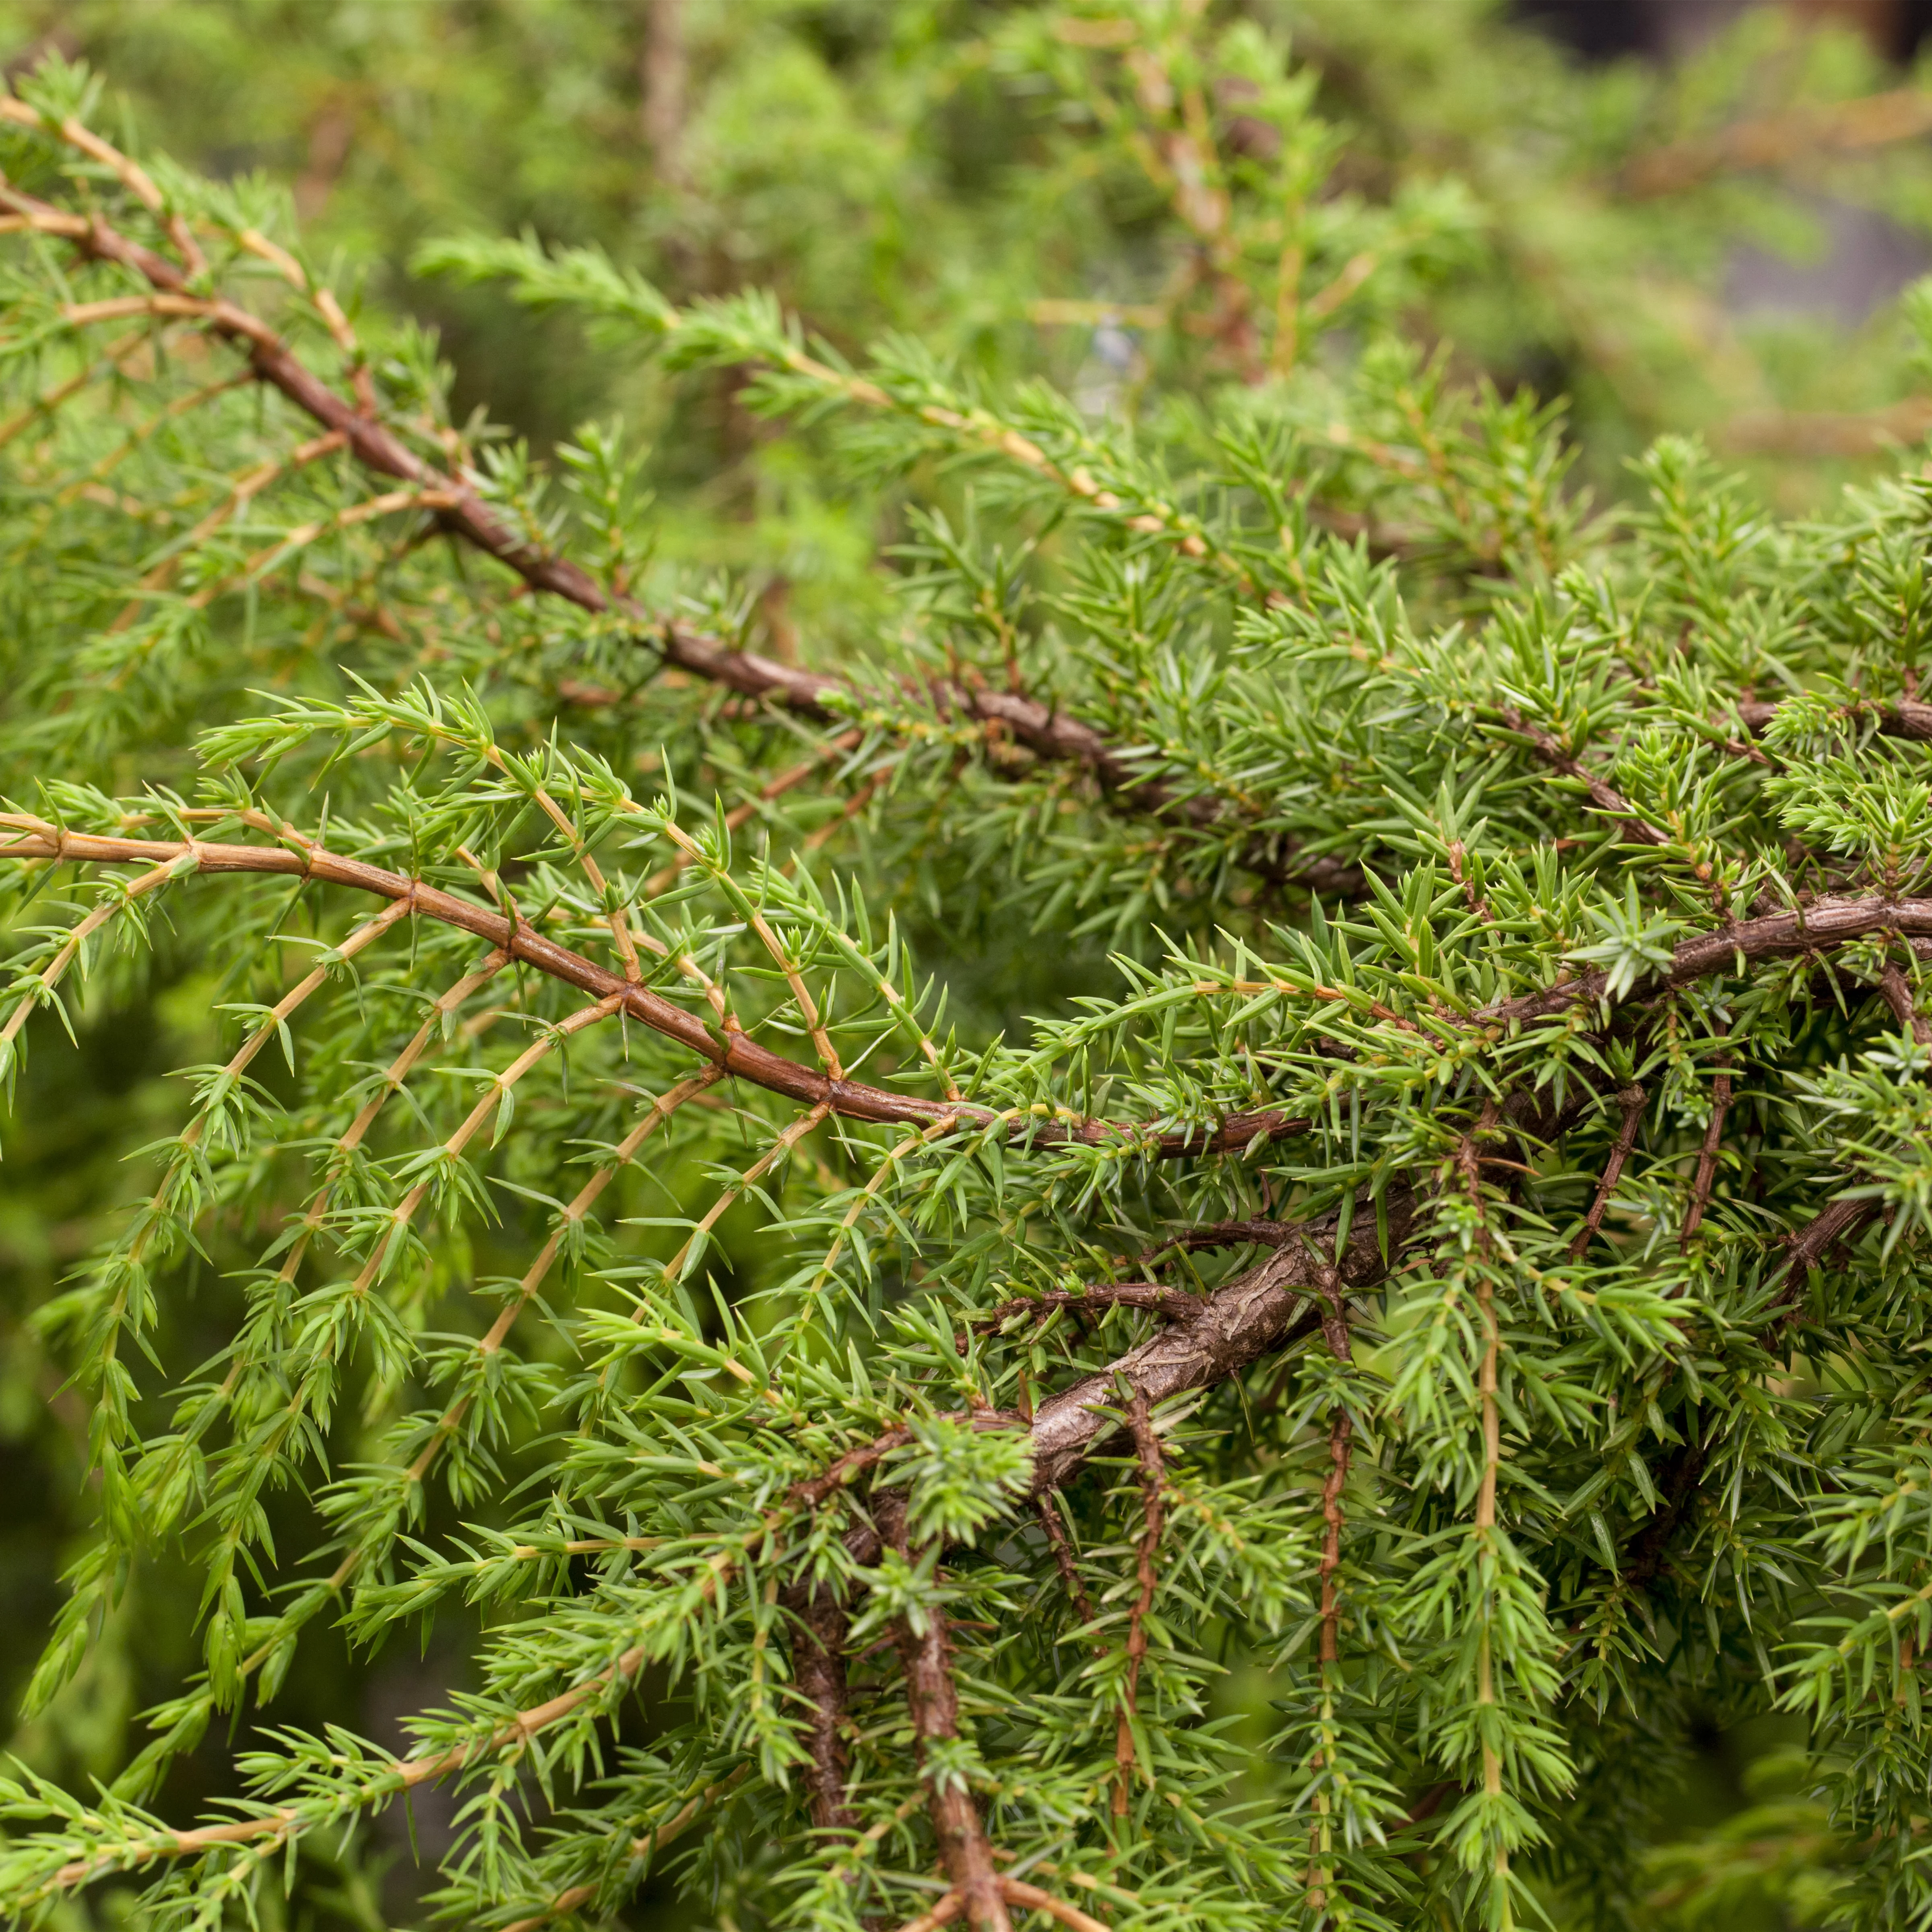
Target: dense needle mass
1466,1273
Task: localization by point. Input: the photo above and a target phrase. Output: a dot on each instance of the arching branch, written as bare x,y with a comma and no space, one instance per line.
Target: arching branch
730,1050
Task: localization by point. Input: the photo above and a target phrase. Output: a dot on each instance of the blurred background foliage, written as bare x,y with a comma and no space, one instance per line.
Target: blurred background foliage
1685,216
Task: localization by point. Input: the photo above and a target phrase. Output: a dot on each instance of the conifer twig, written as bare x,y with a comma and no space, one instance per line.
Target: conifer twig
1175,1304
1897,991
1048,1518
948,1909
1707,1154
1045,730
1772,140
1632,1101
926,1656
819,1653
1017,1891
646,1847
735,1053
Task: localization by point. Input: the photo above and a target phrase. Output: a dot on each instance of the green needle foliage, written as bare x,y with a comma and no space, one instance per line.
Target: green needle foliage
1457,1266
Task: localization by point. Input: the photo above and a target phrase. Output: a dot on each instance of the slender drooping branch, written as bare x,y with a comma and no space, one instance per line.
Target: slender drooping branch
1041,728
1826,923
729,1049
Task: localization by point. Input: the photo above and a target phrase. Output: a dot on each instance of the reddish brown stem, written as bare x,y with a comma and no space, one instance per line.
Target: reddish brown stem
1153,1506
1707,1155
1844,1220
819,1664
1633,1099
1837,1221
1604,796
1175,1303
1896,990
1798,134
1263,1234
933,1699
1803,930
1063,1556
1904,717
731,1050
1044,731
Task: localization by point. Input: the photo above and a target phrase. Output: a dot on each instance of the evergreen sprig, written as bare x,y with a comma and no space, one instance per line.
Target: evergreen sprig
1465,1272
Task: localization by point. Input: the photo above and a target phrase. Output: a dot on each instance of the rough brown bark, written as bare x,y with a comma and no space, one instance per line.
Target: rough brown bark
819,1665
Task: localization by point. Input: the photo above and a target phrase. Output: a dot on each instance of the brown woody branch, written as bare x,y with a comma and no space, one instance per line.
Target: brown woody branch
818,1663
1063,1556
1603,795
933,1700
1263,1234
406,1774
1844,128
1044,731
728,1048
1896,990
1017,1891
1707,1155
1845,1219
1633,1099
1825,923
1174,1303
1263,1310
578,1896
1897,717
